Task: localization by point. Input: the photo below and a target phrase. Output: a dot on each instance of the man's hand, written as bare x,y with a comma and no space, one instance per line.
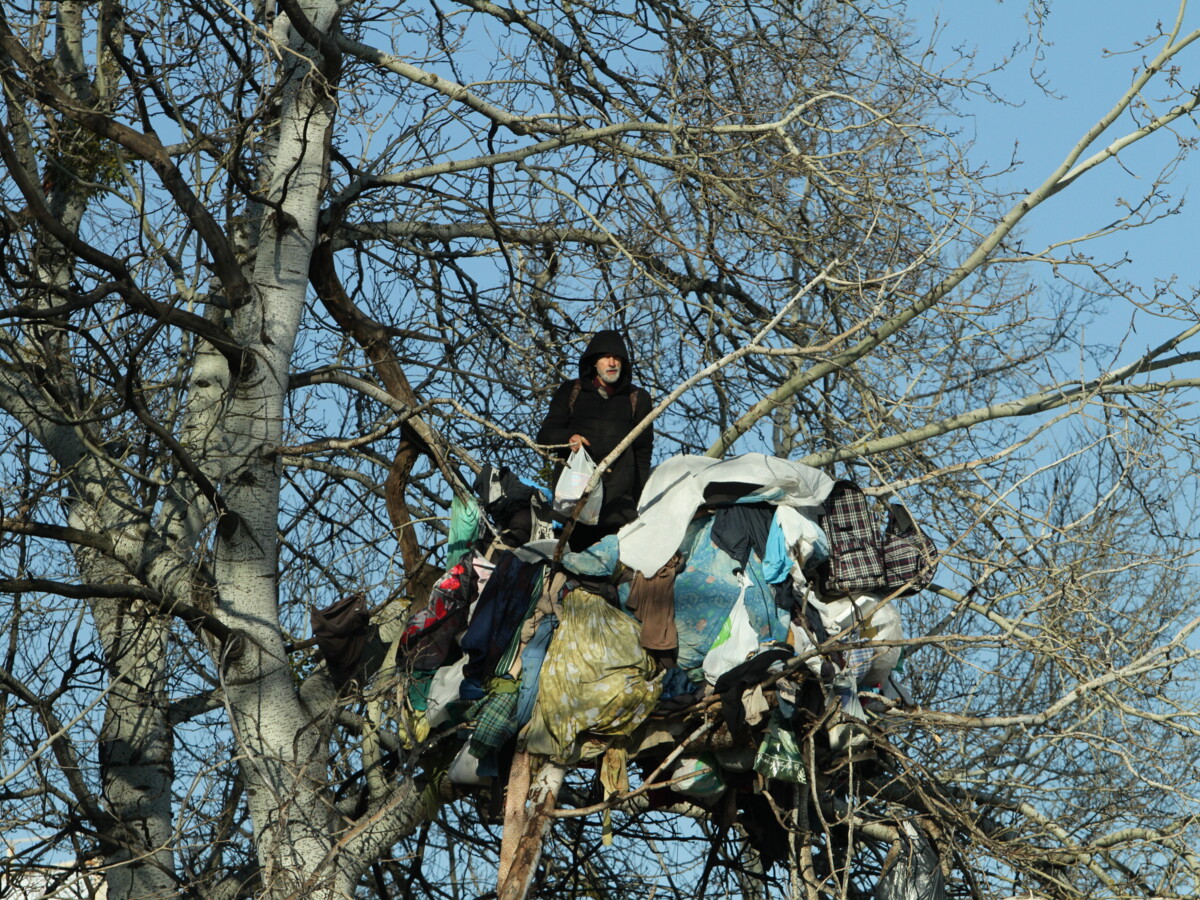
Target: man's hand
576,441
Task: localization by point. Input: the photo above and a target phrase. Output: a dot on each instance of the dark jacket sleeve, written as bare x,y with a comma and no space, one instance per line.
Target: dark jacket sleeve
643,444
556,427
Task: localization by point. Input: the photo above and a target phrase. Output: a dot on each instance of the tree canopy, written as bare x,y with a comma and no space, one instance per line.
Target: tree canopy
280,275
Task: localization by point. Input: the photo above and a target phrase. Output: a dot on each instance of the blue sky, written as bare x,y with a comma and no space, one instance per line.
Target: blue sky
1038,130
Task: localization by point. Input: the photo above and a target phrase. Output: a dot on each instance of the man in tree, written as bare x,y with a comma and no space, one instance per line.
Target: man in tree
597,410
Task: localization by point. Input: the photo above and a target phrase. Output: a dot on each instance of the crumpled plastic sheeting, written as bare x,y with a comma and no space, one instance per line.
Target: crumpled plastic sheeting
596,679
916,873
597,561
868,618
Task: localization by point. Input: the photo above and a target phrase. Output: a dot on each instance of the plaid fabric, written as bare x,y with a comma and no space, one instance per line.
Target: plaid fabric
497,722
858,660
855,551
909,557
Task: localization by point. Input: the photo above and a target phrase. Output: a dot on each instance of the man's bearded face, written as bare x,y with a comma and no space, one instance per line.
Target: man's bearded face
609,369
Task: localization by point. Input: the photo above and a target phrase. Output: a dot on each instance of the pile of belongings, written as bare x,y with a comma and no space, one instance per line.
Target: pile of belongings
734,571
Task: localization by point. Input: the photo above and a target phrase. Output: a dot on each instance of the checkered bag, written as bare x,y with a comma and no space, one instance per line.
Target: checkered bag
855,550
909,556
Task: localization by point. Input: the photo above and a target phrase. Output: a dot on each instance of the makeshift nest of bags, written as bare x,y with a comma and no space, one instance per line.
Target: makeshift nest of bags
712,603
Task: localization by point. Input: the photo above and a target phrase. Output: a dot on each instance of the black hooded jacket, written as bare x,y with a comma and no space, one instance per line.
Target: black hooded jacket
580,407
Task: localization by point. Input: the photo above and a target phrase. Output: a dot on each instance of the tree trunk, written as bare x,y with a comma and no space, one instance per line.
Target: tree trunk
543,797
283,759
136,743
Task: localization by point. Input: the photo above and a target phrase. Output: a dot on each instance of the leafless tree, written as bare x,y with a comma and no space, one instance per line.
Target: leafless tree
278,274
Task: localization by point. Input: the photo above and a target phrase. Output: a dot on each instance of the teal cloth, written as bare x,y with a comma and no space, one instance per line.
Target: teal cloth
597,561
465,516
418,688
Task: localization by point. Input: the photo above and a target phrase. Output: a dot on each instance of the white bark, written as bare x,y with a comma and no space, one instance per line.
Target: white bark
543,796
137,742
283,759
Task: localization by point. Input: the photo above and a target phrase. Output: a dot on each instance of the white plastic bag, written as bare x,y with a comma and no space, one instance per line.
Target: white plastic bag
736,642
882,624
571,485
443,691
465,769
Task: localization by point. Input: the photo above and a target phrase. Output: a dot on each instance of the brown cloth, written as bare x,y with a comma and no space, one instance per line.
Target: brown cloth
652,602
342,630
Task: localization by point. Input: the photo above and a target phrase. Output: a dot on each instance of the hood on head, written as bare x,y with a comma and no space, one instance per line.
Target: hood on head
606,343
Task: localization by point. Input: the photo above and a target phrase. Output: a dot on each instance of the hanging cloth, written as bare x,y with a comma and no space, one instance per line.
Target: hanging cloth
652,601
341,631
742,529
503,606
596,683
465,517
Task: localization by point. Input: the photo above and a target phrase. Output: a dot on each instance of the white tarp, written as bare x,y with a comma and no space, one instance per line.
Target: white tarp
675,490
